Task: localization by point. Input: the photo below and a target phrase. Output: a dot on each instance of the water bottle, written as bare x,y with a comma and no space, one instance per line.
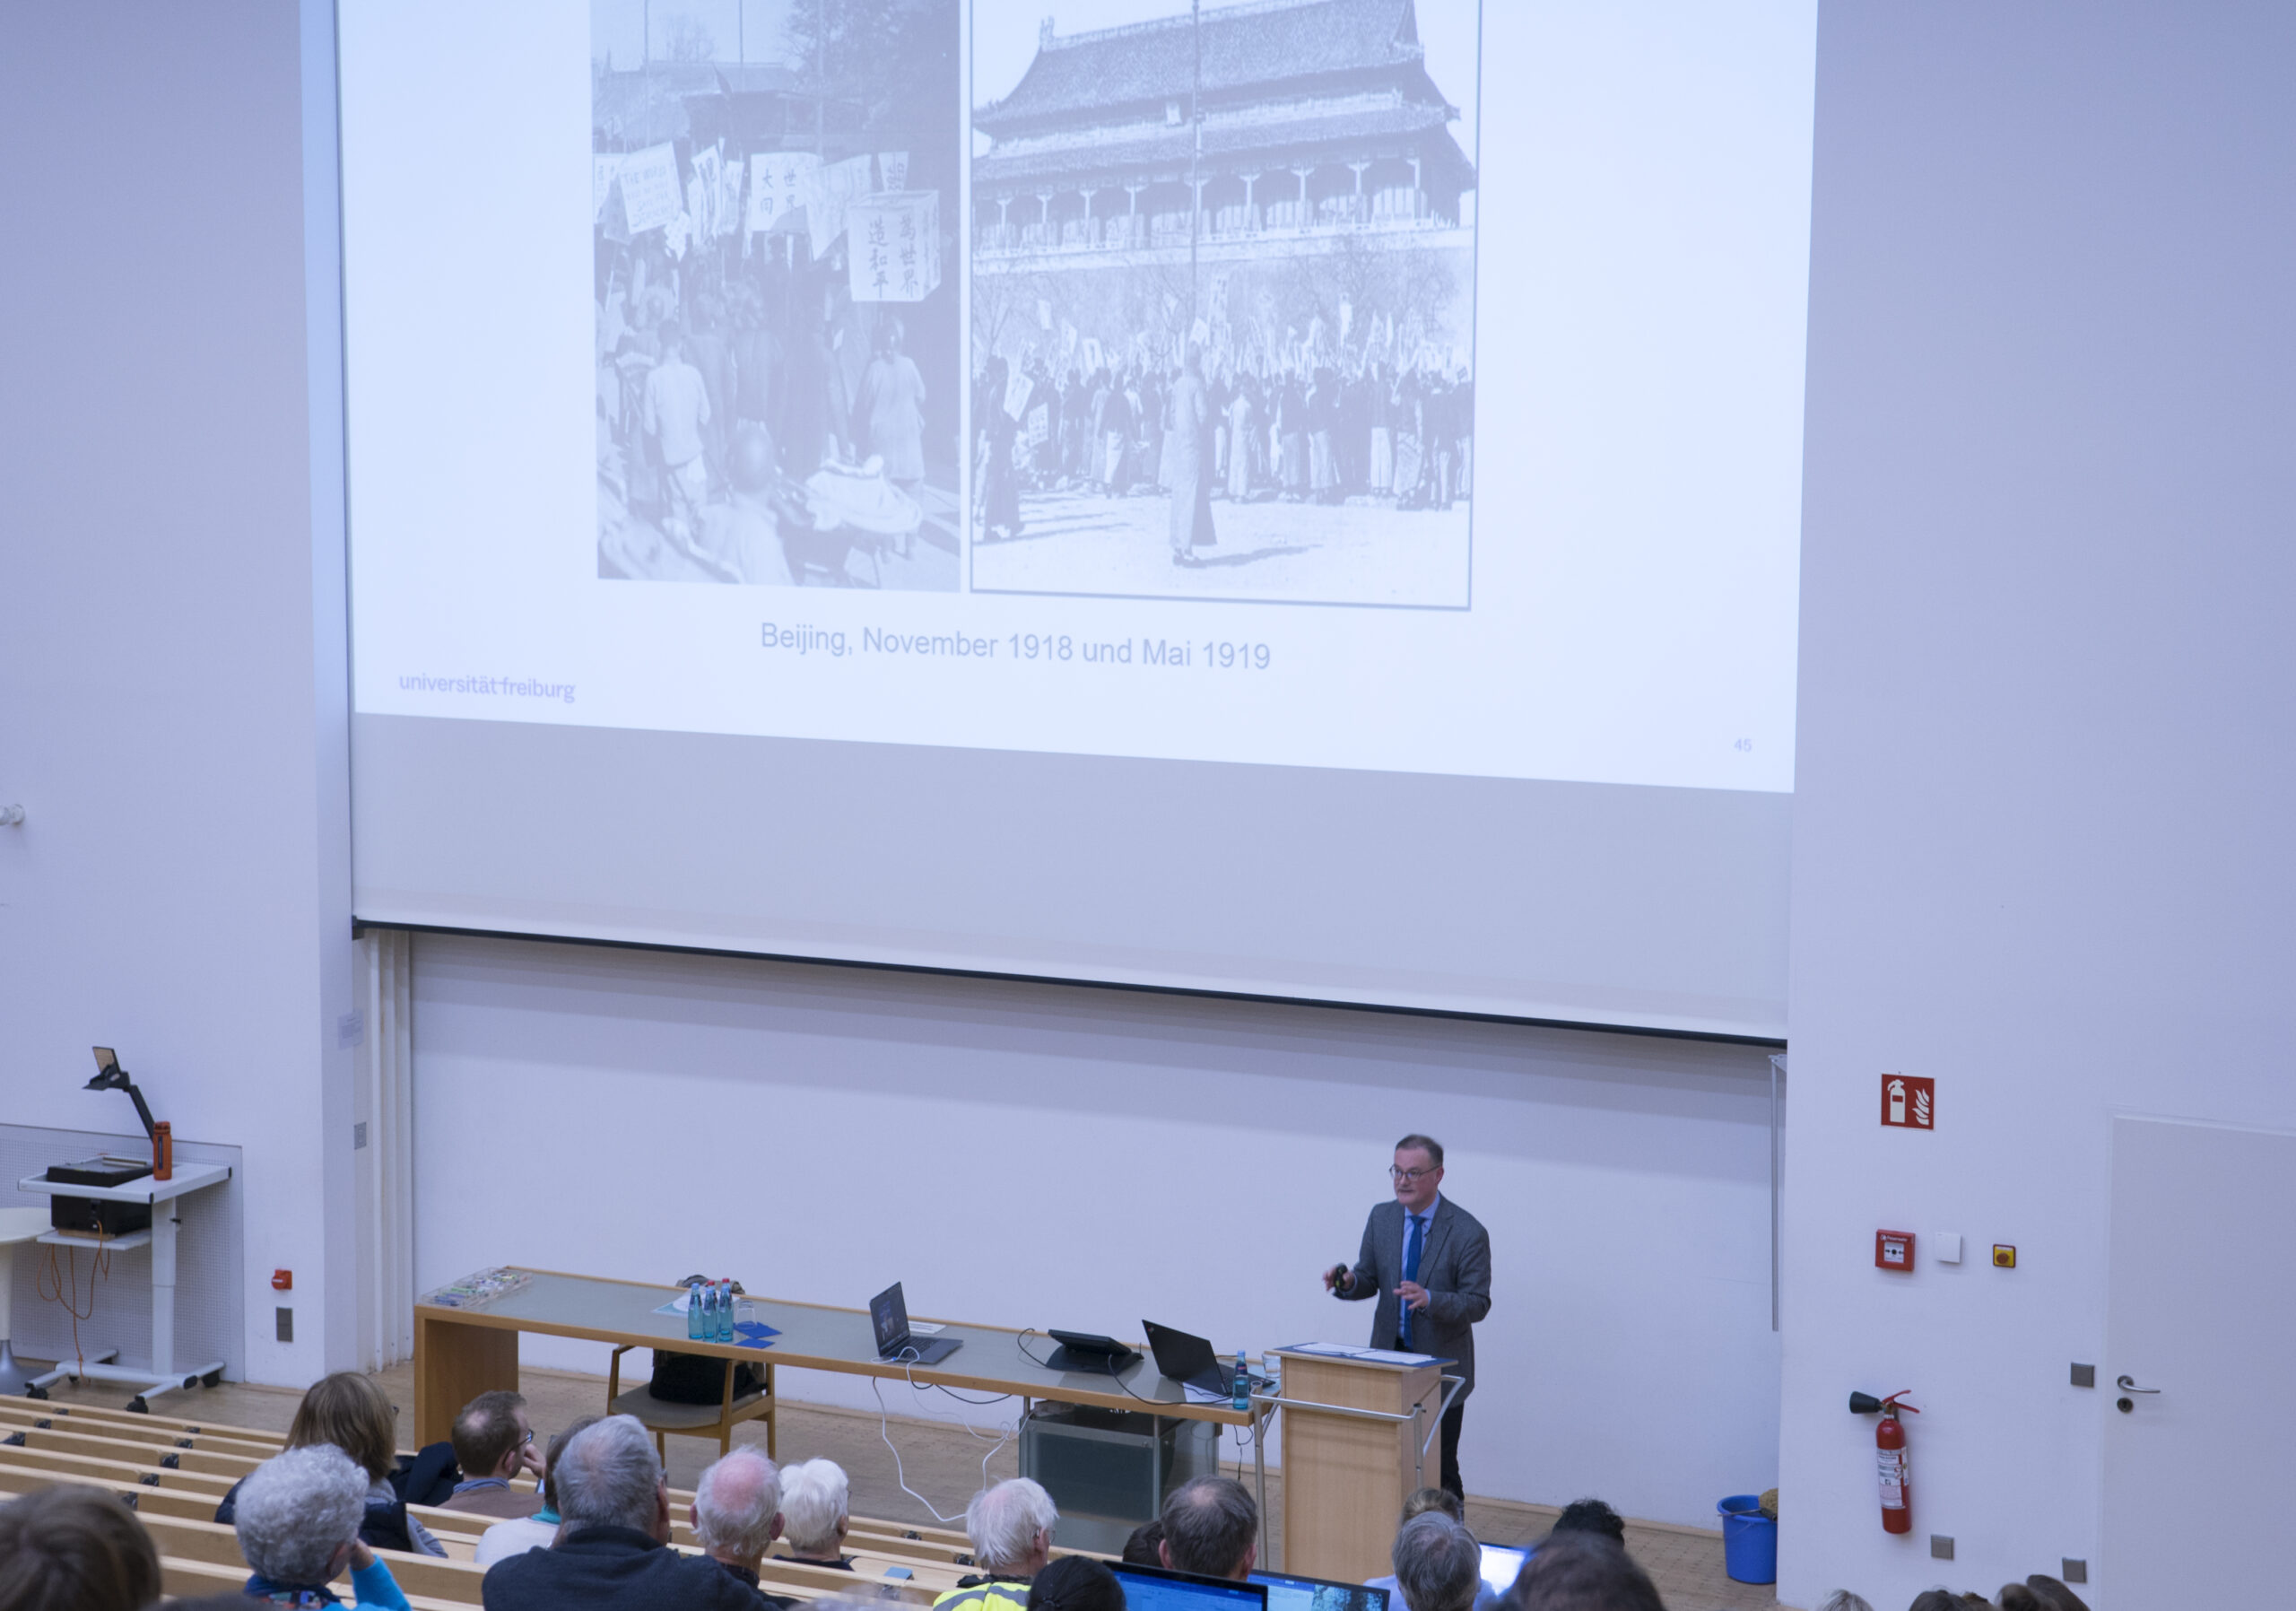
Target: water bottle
1243,1400
697,1310
725,1311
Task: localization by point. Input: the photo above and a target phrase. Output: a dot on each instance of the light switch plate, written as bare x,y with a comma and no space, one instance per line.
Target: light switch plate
1949,1248
2085,1376
2075,1572
1941,1547
286,1323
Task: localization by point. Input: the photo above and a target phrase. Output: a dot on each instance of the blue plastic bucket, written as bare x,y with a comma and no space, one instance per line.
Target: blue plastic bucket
1748,1540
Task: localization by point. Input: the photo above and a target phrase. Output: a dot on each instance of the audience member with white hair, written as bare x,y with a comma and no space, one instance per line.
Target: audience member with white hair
298,1517
736,1515
614,1526
814,1497
1010,1525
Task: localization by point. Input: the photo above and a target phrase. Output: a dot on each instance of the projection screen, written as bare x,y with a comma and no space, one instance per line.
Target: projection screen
1293,498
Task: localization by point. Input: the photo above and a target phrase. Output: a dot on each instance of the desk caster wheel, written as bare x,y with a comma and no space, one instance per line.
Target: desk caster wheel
137,1406
34,1390
190,1383
210,1380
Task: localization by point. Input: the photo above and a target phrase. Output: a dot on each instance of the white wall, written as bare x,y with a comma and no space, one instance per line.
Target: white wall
2043,847
169,718
1048,1155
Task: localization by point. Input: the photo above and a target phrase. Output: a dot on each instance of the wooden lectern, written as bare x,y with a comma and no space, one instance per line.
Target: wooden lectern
1345,1477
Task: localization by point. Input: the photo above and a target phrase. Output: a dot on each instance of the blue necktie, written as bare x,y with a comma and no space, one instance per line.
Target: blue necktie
1410,1273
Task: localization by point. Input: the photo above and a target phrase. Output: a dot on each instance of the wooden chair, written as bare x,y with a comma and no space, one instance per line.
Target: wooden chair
692,1420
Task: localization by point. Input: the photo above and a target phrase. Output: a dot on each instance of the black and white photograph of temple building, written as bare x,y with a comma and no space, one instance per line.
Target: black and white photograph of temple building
1224,286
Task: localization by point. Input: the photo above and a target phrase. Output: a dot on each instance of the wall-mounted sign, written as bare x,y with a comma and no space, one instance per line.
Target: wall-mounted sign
1908,1102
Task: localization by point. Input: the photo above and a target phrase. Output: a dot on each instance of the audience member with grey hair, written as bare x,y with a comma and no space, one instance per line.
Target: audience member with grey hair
1446,1503
814,1512
610,1553
298,1517
1437,1563
1582,1571
1010,1525
1841,1599
736,1515
1211,1528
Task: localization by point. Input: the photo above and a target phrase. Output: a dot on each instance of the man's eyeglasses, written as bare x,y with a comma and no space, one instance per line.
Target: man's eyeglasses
1412,1175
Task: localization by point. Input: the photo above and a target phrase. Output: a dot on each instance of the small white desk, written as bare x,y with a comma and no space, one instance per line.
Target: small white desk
17,1226
164,1376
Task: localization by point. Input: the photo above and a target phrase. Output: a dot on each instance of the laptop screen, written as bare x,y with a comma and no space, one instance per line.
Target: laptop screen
1501,1566
889,1313
1286,1592
1146,1589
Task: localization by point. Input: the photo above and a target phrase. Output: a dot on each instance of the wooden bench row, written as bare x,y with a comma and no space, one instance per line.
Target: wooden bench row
181,1451
201,1556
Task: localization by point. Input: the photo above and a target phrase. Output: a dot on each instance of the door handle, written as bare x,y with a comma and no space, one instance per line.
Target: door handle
2127,1384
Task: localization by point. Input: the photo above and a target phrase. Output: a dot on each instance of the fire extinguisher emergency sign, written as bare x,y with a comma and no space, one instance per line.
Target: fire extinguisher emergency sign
1908,1102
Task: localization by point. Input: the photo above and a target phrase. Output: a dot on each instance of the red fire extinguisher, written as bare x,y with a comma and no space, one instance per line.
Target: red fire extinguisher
1889,1441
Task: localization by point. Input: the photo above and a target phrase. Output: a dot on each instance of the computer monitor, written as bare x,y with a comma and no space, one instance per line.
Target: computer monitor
1501,1566
1289,1592
1151,1588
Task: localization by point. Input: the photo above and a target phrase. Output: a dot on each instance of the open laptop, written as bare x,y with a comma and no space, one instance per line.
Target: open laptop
1190,1360
889,1314
1154,1588
1288,1591
1501,1566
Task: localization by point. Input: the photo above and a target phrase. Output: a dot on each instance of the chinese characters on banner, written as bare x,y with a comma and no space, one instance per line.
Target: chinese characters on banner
894,252
892,170
778,183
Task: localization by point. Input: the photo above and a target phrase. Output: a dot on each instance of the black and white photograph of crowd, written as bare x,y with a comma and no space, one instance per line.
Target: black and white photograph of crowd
1223,262
781,377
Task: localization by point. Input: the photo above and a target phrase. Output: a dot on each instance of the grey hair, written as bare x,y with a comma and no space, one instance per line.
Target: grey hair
1210,1525
1002,1522
1841,1599
813,1502
607,1475
736,1502
1437,1563
296,1509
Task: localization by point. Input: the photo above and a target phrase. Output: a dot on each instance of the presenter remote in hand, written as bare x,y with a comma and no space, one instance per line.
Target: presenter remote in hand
1428,1262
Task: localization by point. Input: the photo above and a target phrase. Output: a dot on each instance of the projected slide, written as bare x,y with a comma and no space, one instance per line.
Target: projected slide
1402,386
1288,497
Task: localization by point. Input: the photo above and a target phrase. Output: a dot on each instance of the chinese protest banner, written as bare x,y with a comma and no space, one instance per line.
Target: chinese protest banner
777,181
894,252
649,188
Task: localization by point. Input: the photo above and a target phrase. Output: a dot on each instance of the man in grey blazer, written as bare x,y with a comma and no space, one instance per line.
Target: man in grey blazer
1428,1262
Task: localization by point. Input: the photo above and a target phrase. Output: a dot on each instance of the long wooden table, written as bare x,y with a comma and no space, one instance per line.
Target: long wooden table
460,1353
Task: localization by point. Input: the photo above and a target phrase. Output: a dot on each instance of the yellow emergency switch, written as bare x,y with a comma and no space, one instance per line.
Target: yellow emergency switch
2005,1256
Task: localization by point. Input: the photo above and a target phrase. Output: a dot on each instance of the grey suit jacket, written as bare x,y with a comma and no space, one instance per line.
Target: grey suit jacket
1454,1267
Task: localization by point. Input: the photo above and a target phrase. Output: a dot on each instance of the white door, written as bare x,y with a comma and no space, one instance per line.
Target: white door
2201,1319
